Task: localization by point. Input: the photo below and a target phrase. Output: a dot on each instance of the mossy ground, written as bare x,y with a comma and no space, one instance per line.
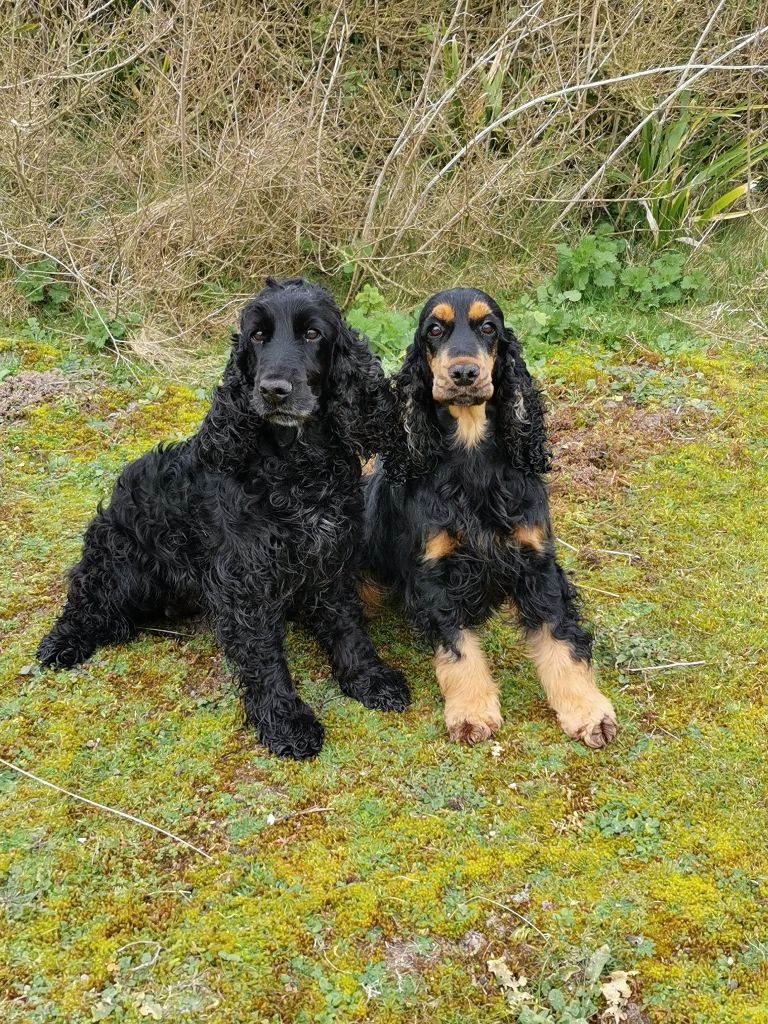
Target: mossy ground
374,883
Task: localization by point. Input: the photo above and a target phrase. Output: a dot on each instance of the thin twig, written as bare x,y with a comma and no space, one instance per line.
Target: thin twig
486,899
662,668
103,807
566,544
609,551
597,590
304,810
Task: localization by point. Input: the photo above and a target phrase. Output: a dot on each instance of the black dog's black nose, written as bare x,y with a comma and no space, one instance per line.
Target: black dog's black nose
464,374
274,390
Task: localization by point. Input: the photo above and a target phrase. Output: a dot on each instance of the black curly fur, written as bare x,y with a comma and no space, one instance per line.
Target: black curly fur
252,521
479,495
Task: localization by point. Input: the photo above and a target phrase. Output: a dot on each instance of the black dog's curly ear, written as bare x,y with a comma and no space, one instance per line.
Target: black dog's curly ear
413,389
520,417
229,428
360,405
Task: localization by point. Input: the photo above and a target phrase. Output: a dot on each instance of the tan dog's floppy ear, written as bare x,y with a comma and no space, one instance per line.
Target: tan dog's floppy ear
520,407
413,388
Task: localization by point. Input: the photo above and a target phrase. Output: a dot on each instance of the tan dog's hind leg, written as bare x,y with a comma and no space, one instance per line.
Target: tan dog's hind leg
582,710
472,712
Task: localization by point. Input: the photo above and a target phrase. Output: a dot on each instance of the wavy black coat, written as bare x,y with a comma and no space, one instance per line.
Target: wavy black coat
251,523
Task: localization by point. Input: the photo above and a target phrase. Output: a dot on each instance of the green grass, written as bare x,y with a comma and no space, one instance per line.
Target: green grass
375,883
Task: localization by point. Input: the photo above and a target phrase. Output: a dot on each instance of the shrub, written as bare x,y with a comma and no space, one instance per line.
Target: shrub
594,270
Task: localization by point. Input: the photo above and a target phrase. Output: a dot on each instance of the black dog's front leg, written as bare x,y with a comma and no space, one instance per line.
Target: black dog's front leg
337,622
252,637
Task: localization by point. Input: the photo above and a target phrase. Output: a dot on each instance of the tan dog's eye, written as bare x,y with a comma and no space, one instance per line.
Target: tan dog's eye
435,331
487,328
312,334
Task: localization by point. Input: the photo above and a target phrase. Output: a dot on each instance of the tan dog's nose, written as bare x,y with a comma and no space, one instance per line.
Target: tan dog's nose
464,374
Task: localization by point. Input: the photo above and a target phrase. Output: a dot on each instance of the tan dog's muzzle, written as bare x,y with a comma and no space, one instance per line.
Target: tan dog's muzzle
462,380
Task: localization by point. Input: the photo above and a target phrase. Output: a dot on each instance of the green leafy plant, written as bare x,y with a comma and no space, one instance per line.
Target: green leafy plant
594,264
102,329
388,330
595,269
43,284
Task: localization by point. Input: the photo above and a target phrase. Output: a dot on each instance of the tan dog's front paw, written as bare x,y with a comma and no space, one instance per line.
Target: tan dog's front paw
472,725
592,721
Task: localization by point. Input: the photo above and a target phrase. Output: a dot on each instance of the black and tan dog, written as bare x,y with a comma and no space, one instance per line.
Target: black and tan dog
465,525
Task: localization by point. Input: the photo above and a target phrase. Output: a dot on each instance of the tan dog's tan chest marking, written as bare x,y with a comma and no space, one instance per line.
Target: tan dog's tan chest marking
471,423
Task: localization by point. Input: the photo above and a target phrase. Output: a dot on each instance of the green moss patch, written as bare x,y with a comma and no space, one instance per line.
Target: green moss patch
375,883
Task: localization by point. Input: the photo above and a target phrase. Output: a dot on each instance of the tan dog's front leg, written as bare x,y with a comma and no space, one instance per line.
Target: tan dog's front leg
472,712
583,712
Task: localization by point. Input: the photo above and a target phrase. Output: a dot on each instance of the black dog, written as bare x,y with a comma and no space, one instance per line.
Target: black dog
469,528
255,519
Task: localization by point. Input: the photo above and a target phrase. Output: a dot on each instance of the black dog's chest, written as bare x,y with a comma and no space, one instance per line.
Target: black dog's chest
306,521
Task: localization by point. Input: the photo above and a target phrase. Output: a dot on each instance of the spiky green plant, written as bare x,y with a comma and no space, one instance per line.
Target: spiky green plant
694,171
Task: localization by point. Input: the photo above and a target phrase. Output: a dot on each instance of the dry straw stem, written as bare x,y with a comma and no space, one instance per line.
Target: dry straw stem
103,807
169,156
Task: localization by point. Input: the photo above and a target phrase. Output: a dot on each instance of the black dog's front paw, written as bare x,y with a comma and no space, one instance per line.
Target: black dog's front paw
298,735
63,650
381,689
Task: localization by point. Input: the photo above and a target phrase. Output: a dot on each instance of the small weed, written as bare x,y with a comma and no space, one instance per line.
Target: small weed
619,820
595,270
43,284
388,331
9,365
101,328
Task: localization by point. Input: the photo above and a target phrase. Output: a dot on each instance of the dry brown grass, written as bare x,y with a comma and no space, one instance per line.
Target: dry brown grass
167,154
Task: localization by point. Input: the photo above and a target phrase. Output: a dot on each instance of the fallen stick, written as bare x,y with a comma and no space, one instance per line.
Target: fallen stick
104,807
660,668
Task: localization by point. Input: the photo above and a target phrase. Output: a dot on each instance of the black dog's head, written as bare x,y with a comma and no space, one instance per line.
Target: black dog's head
295,360
463,354
286,339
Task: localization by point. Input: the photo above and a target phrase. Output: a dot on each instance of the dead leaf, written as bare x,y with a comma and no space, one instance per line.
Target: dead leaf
616,993
511,984
149,1008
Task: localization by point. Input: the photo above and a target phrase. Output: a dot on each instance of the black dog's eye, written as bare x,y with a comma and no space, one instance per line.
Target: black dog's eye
257,336
312,334
434,331
487,328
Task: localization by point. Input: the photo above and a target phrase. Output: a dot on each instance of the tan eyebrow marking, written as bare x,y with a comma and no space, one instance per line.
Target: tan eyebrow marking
444,311
478,310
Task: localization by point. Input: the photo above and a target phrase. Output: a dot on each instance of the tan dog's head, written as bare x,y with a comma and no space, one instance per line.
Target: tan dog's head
460,330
